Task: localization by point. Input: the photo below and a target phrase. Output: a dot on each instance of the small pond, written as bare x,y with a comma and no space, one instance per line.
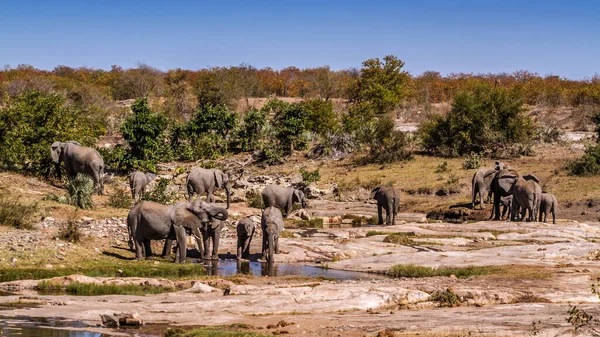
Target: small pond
233,267
29,327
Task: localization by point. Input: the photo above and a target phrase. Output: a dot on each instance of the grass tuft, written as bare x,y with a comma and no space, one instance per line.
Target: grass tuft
93,289
399,239
213,332
15,214
413,271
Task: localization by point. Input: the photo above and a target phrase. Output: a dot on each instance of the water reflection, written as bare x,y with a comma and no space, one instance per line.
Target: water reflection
233,267
14,329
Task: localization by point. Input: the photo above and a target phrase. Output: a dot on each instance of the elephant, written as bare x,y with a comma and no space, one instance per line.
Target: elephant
148,220
271,224
506,203
548,204
245,231
201,180
79,159
212,232
388,198
282,198
481,183
527,194
138,182
502,186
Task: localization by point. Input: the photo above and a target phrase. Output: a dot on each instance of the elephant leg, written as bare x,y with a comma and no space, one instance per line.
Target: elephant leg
148,249
379,214
264,243
168,248
240,248
206,239
482,194
276,244
181,244
215,248
139,249
247,246
553,216
496,209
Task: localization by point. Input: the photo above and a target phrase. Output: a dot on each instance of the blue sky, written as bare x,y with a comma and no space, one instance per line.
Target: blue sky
548,37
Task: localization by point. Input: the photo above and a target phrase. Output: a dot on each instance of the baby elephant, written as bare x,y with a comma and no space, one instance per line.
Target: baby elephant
138,182
548,204
271,225
506,204
245,231
389,199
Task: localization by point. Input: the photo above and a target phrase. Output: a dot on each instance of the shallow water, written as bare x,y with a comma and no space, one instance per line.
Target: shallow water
233,267
27,327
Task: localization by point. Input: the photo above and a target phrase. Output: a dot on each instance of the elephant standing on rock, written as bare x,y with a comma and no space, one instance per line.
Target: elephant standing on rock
482,181
245,231
79,159
138,182
201,181
271,225
548,205
282,198
527,194
152,221
388,198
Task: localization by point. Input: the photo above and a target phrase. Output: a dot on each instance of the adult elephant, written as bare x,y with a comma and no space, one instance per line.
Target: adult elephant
282,198
152,221
79,159
138,182
388,198
482,182
271,224
502,186
201,180
527,195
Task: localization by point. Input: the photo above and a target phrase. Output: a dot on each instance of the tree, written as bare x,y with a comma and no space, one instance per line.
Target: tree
289,124
145,132
252,130
321,118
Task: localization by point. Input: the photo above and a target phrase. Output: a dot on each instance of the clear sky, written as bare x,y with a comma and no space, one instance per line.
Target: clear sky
548,37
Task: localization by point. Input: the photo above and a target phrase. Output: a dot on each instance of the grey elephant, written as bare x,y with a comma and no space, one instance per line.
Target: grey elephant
212,232
79,159
482,181
506,204
502,186
388,198
245,231
201,181
152,221
282,198
548,205
527,195
138,182
271,224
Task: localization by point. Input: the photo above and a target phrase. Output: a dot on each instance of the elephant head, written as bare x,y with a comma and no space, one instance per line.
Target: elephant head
298,196
374,192
206,212
498,166
57,150
222,181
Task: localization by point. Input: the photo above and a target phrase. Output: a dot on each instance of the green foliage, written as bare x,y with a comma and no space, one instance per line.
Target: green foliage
70,231
93,289
254,200
382,84
399,239
442,168
414,271
117,158
162,194
213,332
145,132
80,191
446,298
14,213
385,145
121,198
289,124
483,120
310,176
213,118
472,161
580,319
32,121
320,116
588,164
252,130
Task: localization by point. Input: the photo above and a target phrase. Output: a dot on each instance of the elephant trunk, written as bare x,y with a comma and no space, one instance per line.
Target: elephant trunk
220,213
271,251
227,190
58,170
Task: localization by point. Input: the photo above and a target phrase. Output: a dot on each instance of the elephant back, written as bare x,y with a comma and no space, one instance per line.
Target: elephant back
504,181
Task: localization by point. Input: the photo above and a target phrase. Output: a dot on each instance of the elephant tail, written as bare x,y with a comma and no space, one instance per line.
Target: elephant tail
189,188
132,222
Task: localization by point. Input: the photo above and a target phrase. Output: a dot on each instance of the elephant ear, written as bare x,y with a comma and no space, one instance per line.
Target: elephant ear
181,217
531,177
298,195
215,224
374,192
218,178
56,151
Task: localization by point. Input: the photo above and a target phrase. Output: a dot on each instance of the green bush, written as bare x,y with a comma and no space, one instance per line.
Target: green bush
14,213
254,200
161,193
116,158
472,161
70,231
385,145
310,176
145,132
121,198
483,120
80,191
32,121
321,118
289,125
414,271
588,164
252,130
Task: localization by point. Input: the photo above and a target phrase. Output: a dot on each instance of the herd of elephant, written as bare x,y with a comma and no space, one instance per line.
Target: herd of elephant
203,220
517,195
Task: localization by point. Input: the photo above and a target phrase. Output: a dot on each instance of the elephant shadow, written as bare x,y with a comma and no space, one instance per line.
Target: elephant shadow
465,205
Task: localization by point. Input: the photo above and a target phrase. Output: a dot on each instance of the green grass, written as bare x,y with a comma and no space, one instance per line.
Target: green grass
373,233
399,239
312,223
413,271
92,289
213,332
166,270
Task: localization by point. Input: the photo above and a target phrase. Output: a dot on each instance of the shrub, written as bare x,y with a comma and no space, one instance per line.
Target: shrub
121,198
32,121
70,231
310,176
335,146
442,168
320,116
482,120
472,161
217,120
588,164
289,125
14,213
446,298
414,271
80,190
161,193
252,130
385,145
399,239
254,200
